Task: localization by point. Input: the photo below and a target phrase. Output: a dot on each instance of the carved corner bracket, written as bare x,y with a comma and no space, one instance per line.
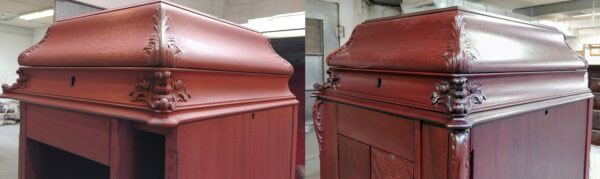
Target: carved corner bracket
458,95
161,45
32,48
333,81
460,51
21,82
318,122
161,91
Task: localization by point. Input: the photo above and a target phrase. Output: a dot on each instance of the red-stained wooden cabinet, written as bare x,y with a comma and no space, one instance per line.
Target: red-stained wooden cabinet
454,94
154,90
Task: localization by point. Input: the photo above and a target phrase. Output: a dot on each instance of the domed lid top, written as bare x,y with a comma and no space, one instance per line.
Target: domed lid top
456,41
154,34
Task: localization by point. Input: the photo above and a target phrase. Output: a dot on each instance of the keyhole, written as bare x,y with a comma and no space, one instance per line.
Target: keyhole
252,115
546,112
378,82
72,81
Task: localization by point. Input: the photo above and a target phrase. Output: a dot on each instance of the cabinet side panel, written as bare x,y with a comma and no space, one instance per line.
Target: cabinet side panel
542,144
250,145
434,144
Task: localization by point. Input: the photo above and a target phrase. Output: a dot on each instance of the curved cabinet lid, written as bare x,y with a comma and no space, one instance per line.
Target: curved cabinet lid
155,34
456,41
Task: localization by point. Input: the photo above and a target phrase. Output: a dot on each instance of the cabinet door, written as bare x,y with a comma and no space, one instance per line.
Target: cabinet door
388,166
354,159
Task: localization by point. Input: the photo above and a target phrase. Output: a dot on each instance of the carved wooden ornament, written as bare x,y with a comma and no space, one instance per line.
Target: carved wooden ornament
460,52
161,39
459,154
318,122
32,48
21,82
333,81
459,95
160,91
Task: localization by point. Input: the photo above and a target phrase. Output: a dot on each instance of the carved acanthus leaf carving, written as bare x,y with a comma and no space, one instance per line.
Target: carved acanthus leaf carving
32,48
333,81
21,82
318,122
162,38
459,95
460,52
160,91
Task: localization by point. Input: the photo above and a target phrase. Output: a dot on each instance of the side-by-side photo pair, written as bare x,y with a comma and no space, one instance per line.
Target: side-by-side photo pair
300,89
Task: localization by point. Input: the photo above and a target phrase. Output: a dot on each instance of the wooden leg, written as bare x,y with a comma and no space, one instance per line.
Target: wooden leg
121,149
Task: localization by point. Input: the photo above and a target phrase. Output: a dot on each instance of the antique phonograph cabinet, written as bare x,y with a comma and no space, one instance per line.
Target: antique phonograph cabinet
454,94
154,90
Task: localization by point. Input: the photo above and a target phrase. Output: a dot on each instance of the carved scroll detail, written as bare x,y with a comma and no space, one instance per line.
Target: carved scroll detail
21,82
160,91
459,155
458,95
32,48
157,42
460,51
333,81
318,122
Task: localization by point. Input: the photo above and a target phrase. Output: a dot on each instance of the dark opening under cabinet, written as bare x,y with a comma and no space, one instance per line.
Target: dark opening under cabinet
154,90
454,94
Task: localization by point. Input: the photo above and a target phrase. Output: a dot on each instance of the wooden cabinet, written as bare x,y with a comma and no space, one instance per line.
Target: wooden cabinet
150,91
454,94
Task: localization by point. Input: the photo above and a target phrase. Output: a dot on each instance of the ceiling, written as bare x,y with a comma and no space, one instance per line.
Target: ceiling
515,4
11,9
507,4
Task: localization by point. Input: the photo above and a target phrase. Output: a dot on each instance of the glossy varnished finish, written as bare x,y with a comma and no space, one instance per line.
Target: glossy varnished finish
388,166
154,90
453,105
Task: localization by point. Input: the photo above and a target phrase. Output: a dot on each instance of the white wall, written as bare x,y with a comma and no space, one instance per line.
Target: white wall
580,40
13,40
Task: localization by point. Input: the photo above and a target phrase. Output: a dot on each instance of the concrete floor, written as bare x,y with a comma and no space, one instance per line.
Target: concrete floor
9,149
9,154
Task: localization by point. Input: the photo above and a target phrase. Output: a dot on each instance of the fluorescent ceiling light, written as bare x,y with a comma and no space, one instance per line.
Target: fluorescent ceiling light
585,15
37,15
